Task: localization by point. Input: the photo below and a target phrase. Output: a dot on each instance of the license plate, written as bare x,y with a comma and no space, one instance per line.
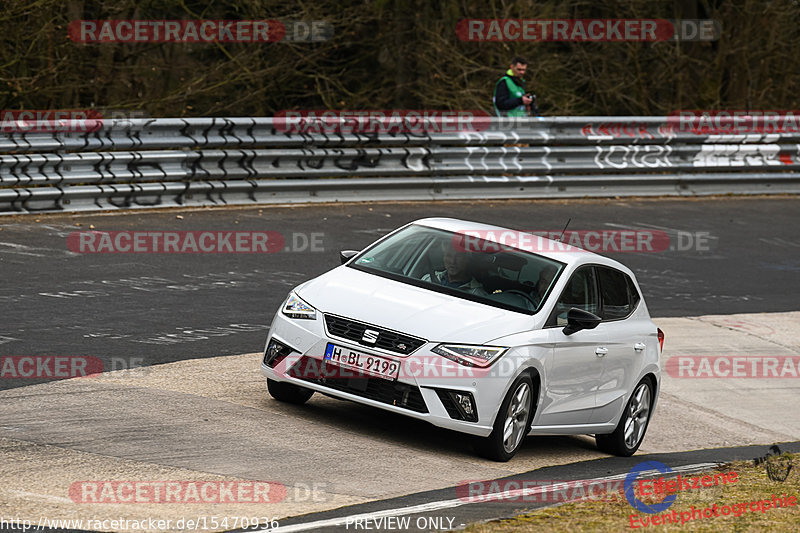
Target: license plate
374,365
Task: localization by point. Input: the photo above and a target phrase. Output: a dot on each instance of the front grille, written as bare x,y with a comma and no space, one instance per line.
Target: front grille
391,341
381,390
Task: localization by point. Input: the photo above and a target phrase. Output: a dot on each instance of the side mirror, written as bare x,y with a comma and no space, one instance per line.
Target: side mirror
346,255
578,319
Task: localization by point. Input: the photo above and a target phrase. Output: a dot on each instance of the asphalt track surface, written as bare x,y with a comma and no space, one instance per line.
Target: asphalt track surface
142,309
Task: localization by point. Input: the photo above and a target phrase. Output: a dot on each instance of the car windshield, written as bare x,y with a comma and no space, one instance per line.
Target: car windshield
445,262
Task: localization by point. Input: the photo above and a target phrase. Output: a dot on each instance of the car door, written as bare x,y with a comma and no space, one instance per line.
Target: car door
576,365
626,342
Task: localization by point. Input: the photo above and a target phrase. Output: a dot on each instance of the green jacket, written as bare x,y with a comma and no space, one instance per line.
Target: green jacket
506,92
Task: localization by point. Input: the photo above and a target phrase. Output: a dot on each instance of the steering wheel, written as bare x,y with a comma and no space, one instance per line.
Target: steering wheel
525,295
431,271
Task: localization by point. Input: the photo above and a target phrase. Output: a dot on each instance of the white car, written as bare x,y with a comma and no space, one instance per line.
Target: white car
480,329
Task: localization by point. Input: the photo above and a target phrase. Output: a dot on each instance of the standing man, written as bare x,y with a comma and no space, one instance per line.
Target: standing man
510,98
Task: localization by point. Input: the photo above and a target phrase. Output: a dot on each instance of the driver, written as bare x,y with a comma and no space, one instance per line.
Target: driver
545,279
457,272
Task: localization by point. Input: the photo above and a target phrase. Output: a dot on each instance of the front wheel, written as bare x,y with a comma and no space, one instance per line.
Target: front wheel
512,424
288,392
628,435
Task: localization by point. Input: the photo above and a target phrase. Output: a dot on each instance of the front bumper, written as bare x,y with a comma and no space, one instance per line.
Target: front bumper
420,390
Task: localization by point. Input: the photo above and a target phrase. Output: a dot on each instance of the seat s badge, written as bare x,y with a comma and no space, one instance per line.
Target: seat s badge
370,336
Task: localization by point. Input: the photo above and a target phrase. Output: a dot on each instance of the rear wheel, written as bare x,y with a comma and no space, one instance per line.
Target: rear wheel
512,424
628,435
288,392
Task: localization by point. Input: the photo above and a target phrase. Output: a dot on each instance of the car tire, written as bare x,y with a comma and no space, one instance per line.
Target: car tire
633,422
288,392
516,413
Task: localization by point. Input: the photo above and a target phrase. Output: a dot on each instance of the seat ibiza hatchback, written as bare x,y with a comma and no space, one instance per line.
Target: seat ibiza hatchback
483,330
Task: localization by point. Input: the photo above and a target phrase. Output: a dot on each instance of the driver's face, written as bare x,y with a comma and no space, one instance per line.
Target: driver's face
455,263
545,278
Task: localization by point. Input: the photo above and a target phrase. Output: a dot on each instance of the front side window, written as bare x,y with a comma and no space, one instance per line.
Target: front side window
444,261
615,293
580,292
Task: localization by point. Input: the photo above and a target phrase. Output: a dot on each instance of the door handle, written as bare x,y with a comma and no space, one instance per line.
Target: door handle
639,346
600,351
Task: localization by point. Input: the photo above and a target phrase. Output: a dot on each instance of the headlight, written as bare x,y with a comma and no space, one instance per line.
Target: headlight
468,355
297,308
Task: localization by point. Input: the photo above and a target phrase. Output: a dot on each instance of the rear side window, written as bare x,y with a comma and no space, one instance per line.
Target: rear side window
615,293
634,292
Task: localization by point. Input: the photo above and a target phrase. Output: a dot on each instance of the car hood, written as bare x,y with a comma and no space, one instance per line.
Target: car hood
434,316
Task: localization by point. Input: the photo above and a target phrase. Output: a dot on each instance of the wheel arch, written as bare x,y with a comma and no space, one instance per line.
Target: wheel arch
654,382
536,379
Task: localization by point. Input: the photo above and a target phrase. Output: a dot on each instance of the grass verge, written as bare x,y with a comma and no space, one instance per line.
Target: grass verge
613,513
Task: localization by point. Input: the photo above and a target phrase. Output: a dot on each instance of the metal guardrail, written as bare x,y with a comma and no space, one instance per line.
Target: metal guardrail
234,161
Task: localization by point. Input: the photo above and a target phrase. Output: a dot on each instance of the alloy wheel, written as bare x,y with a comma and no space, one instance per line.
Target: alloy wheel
517,418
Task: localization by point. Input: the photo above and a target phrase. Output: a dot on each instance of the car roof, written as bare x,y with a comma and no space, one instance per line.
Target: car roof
524,241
